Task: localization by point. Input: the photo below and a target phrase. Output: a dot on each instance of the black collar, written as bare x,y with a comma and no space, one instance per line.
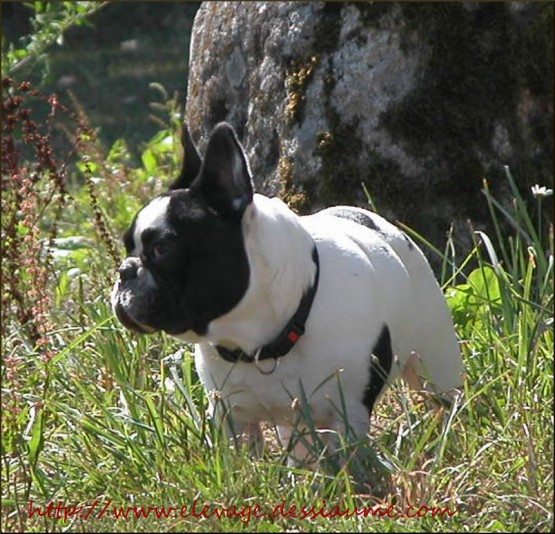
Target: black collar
293,330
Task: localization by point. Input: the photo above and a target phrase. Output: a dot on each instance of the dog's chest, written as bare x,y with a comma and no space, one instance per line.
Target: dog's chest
243,387
299,382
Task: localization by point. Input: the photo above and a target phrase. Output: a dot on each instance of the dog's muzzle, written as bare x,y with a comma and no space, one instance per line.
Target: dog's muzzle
134,282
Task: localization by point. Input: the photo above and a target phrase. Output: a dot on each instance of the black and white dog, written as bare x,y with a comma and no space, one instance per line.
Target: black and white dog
279,305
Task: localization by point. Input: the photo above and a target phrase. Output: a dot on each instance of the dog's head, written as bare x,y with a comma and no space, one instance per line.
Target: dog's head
186,262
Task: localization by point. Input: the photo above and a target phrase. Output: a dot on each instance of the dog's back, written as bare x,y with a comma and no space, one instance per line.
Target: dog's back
433,345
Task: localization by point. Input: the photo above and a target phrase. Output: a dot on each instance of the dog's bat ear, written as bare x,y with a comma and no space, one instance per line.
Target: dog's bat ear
191,162
225,180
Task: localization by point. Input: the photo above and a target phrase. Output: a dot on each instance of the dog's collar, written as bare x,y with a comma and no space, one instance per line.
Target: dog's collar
292,332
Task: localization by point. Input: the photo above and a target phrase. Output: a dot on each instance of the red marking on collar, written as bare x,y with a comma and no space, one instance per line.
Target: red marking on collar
293,337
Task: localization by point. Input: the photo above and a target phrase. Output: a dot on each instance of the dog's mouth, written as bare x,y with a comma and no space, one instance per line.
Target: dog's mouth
124,317
130,323
146,308
126,320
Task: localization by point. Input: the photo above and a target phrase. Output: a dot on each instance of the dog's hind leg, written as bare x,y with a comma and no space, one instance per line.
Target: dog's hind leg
414,374
434,350
410,374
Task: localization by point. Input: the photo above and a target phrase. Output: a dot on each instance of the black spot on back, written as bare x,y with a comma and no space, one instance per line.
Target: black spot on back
357,216
379,370
409,241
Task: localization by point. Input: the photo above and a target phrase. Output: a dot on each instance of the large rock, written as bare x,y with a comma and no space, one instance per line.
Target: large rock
418,102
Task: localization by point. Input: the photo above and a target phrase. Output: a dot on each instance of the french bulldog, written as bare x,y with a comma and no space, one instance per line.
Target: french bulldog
327,309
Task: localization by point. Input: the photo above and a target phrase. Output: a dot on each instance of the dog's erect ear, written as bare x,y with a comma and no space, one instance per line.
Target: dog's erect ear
191,162
225,180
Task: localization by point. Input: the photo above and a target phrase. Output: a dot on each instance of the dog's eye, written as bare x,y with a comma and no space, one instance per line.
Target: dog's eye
159,250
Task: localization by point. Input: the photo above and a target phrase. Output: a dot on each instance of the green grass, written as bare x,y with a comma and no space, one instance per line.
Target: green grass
95,416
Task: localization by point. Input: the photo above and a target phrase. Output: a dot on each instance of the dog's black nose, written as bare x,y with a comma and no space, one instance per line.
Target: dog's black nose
128,269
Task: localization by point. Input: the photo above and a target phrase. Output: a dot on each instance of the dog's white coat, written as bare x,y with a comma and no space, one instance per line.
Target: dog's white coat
367,279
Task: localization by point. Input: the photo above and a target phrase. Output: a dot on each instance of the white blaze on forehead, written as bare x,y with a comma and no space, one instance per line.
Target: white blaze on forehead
153,215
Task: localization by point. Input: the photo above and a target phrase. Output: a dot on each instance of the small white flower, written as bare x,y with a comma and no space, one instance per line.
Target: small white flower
541,191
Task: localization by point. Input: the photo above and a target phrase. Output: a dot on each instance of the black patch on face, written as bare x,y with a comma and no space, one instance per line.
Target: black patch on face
379,370
199,264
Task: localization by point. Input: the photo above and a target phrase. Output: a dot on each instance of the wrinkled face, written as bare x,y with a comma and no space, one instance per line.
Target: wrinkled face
186,265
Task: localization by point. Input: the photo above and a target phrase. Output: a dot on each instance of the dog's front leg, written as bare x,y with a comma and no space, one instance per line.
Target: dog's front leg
306,448
251,436
242,433
297,445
